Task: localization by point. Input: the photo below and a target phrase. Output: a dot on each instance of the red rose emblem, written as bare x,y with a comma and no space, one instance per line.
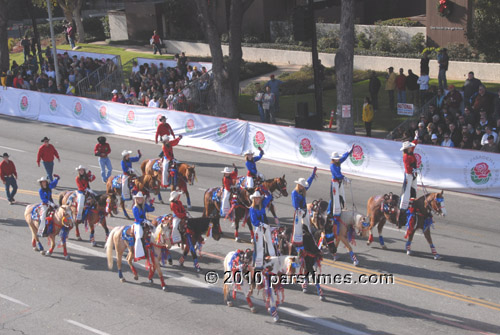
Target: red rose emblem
305,144
357,152
53,103
419,160
223,128
260,138
482,170
190,124
102,110
78,107
24,101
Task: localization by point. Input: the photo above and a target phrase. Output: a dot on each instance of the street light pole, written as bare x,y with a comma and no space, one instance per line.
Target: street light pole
318,89
54,50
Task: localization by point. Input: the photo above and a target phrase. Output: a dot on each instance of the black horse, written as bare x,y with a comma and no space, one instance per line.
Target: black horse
192,236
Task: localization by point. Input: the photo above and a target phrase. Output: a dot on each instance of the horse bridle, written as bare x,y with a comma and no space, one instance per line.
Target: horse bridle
281,188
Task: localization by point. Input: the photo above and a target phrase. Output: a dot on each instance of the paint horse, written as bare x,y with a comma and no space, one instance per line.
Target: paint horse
381,208
93,213
60,221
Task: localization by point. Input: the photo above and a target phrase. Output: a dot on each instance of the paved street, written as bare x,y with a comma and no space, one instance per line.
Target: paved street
40,295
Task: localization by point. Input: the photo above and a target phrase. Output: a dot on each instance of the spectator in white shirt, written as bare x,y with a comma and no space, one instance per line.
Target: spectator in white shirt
484,139
423,81
155,102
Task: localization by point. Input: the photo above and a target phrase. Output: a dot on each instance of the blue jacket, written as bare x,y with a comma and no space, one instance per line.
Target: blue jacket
259,215
298,200
274,84
251,167
46,194
335,169
140,214
126,165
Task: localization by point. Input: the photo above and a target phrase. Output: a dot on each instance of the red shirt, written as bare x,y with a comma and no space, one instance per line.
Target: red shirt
46,153
82,183
409,160
7,168
102,149
163,129
178,209
167,148
18,83
227,182
401,82
114,98
156,38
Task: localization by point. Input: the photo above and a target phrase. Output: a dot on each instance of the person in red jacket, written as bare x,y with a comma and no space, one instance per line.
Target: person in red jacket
8,174
163,129
168,156
156,42
83,187
410,179
179,213
227,183
102,150
46,154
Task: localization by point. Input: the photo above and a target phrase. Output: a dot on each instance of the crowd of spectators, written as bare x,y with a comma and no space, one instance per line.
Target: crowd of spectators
467,119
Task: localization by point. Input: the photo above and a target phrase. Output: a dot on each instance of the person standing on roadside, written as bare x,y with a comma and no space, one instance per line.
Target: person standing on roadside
274,85
412,87
46,154
401,86
424,62
156,42
8,174
102,150
374,87
390,86
368,116
259,96
443,61
26,44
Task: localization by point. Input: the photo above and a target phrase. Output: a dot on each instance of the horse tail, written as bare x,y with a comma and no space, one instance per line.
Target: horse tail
109,246
143,166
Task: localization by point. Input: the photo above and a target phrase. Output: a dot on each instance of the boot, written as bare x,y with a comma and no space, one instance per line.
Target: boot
402,218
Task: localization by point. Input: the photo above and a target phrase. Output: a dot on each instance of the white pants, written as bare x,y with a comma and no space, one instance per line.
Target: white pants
224,206
138,249
298,223
43,216
337,192
260,236
176,235
409,183
125,189
164,173
250,183
80,202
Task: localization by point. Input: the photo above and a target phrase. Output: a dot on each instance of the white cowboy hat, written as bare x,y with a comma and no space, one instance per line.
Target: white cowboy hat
114,91
248,152
174,195
335,155
407,145
80,167
256,194
165,138
126,152
139,195
227,170
42,179
302,182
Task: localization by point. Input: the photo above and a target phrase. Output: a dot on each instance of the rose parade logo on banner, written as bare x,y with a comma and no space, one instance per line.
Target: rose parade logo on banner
360,157
53,105
481,173
260,140
222,131
103,113
305,147
78,108
422,161
130,117
190,126
24,103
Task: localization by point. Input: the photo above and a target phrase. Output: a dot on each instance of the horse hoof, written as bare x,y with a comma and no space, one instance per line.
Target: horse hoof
253,310
251,240
136,277
368,243
48,254
78,238
122,280
93,243
408,252
67,258
189,206
355,263
276,319
237,239
321,298
42,252
36,249
170,262
233,225
437,257
198,270
229,304
384,247
164,288
304,290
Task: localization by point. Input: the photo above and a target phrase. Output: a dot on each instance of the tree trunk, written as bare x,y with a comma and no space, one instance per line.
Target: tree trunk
67,7
77,14
4,40
344,66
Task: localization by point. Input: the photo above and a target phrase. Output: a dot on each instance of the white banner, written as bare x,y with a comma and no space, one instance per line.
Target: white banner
94,55
172,63
459,170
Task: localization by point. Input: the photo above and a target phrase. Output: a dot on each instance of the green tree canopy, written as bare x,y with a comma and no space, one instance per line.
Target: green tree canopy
485,28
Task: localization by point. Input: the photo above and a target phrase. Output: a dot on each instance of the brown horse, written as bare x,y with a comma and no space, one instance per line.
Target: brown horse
421,218
147,169
381,208
104,205
62,222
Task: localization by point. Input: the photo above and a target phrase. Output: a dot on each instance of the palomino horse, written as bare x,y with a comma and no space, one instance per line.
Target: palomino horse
420,217
97,213
146,184
240,275
381,208
62,222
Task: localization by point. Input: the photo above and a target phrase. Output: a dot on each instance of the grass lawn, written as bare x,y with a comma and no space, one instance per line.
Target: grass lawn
383,120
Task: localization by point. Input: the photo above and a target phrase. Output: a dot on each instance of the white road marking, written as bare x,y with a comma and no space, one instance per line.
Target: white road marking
98,167
9,148
90,329
174,276
13,300
403,231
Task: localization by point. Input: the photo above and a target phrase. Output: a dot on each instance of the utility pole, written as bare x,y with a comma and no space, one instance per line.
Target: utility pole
54,50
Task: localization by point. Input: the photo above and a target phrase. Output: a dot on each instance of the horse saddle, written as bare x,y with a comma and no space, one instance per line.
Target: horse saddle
157,165
36,212
117,182
216,194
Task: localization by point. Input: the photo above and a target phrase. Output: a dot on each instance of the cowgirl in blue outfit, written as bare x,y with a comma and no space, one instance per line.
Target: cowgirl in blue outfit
140,209
127,171
259,221
45,193
337,186
299,203
252,167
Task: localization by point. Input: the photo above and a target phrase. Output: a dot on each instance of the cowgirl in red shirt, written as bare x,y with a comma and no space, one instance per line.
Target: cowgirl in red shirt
227,183
168,155
410,180
82,183
179,213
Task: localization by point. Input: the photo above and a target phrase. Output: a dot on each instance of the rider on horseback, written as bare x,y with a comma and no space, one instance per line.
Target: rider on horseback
82,182
227,184
410,179
299,203
47,202
337,194
259,220
168,156
128,171
252,168
140,209
179,213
